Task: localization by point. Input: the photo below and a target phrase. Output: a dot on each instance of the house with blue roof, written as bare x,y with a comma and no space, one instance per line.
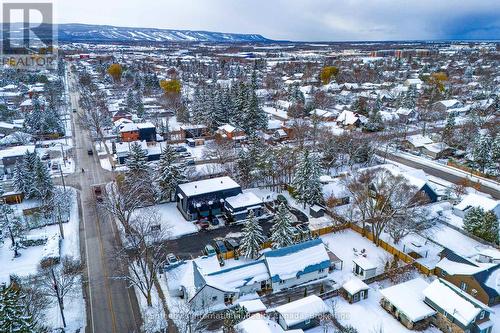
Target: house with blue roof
275,270
297,264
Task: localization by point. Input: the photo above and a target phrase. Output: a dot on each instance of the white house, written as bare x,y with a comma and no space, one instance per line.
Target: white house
297,264
476,200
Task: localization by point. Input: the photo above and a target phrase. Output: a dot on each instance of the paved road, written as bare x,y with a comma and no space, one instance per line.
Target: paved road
449,176
111,306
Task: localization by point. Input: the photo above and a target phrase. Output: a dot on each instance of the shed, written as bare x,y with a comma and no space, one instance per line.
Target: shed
355,290
364,268
310,308
316,211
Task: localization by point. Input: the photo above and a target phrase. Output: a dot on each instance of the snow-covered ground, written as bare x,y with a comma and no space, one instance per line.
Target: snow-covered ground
172,220
27,264
344,243
367,315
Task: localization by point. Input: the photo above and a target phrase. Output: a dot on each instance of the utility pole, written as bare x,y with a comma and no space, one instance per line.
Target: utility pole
62,178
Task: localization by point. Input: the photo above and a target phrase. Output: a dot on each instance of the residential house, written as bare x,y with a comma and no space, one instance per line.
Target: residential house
437,150
323,115
207,285
10,156
138,132
297,264
230,132
456,311
237,207
205,198
122,150
405,301
302,314
349,119
480,280
416,142
445,105
476,200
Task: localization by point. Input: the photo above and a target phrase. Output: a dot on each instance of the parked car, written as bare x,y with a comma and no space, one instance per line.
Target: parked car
185,154
180,149
74,110
209,250
45,156
219,246
232,244
55,166
172,259
90,151
190,161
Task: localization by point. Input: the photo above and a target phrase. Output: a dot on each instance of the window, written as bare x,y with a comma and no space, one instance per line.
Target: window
443,273
463,286
481,315
321,270
214,298
282,282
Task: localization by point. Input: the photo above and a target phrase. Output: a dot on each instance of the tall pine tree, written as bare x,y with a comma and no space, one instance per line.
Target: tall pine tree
14,315
170,172
282,230
252,237
306,183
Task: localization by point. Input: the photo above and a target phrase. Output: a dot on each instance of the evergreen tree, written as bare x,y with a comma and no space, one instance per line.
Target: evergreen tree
481,152
495,149
14,315
375,122
170,172
282,230
137,161
232,317
252,237
482,224
306,184
43,181
449,129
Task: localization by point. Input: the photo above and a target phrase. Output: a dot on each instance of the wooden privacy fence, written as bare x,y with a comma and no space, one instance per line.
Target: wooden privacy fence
392,250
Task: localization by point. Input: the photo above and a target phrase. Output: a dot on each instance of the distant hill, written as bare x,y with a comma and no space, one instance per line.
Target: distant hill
106,33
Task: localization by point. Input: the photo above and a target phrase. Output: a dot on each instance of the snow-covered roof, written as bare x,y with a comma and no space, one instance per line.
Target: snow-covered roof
418,140
322,113
436,147
233,278
308,307
355,285
448,103
493,280
227,128
408,298
364,263
246,199
253,306
454,301
145,125
476,200
258,323
128,127
208,186
347,117
16,151
457,268
298,259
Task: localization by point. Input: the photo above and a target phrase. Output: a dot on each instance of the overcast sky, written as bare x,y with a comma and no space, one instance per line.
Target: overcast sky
304,20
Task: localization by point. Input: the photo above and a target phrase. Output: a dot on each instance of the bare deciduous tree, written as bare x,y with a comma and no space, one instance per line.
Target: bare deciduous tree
383,201
57,281
147,255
